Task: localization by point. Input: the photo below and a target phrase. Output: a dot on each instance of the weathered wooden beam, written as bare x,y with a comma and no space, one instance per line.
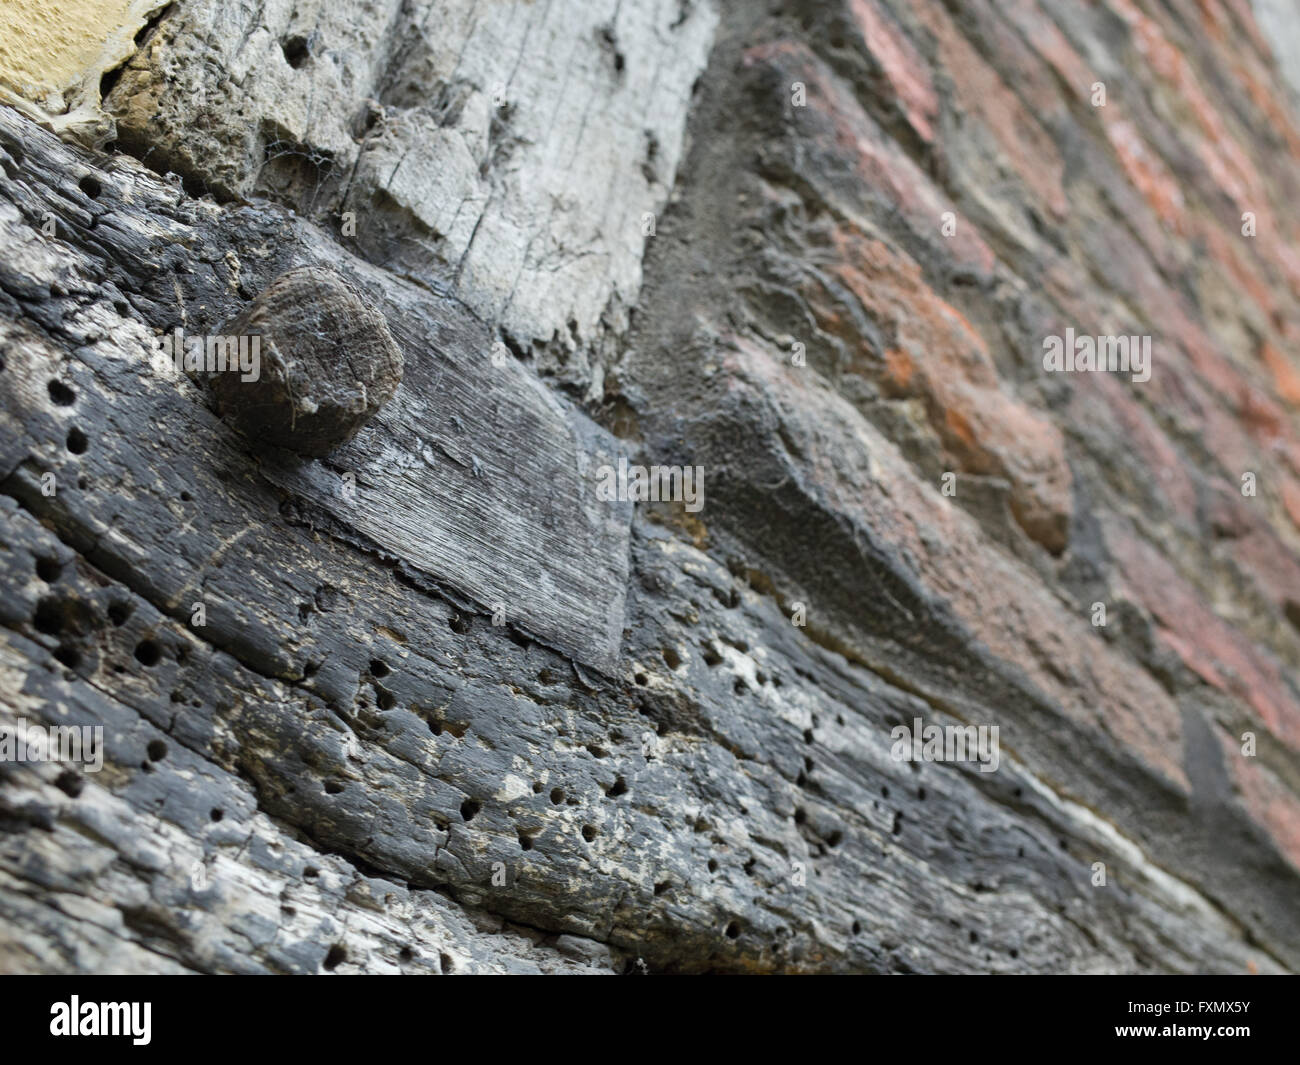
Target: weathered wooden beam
473,474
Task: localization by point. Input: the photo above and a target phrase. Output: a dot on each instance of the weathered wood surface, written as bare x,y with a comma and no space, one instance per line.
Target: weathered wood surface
513,146
473,473
648,760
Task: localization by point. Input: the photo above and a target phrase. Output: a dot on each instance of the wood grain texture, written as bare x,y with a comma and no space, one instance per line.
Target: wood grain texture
474,475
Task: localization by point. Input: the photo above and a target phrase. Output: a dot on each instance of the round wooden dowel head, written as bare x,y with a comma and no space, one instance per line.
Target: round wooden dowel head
326,364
